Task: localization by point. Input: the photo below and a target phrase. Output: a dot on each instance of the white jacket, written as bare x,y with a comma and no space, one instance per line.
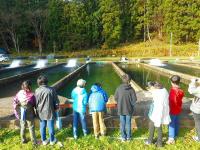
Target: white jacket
195,106
160,112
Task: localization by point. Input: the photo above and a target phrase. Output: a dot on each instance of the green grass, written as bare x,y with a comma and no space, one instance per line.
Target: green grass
9,139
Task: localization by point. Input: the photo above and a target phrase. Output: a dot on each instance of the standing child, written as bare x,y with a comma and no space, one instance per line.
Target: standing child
97,105
126,99
194,88
175,103
26,101
79,96
159,112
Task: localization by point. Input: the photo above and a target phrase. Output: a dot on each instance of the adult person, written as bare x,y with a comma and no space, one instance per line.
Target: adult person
46,105
80,98
126,98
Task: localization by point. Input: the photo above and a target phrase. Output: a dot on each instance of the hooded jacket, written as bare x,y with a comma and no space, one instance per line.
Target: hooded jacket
195,106
126,99
159,112
79,96
97,99
26,100
175,100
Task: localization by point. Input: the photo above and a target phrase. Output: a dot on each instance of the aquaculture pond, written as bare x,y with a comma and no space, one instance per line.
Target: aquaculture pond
142,75
53,75
98,72
183,69
16,71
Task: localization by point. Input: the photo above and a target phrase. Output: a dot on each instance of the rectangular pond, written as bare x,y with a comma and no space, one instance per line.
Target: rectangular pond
142,75
183,69
53,74
97,72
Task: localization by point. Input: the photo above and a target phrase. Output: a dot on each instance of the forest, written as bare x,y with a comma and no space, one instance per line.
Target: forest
70,25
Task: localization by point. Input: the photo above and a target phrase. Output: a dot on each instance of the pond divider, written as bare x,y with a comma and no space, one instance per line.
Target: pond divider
185,78
3,70
13,78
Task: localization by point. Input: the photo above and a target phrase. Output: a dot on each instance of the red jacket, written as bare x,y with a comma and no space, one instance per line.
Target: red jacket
175,100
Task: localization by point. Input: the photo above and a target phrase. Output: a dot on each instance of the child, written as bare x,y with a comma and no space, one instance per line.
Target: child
79,96
97,105
126,99
26,101
175,103
159,111
194,88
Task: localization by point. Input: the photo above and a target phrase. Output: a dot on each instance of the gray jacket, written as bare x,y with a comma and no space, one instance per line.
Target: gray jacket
46,102
195,106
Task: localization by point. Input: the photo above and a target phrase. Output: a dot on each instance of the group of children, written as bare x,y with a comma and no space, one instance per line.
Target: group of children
165,108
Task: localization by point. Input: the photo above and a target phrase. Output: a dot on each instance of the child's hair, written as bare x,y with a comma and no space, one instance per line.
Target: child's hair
42,80
26,85
98,84
175,79
154,84
150,84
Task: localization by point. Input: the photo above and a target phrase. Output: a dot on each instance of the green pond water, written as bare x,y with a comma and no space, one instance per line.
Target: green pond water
183,69
53,75
102,73
142,75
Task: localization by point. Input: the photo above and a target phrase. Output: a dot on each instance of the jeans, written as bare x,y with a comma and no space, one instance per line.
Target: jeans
50,125
76,117
197,124
125,126
174,126
98,123
31,126
151,133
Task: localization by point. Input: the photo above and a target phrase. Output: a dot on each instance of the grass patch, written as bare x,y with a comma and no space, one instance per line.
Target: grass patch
10,139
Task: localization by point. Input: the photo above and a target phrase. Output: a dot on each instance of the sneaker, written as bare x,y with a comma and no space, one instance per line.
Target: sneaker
45,142
96,137
146,142
128,139
53,142
170,141
24,141
123,139
195,138
75,137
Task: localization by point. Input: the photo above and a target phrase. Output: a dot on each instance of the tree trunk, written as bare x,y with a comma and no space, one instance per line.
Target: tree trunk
15,41
54,47
39,43
148,33
4,41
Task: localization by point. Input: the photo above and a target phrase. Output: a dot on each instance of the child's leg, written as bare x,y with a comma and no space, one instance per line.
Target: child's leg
172,127
95,123
177,126
102,124
128,126
22,130
43,125
159,140
83,123
123,126
50,124
31,127
75,124
151,131
197,124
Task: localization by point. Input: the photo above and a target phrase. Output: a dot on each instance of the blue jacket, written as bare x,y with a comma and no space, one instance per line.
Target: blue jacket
79,95
97,99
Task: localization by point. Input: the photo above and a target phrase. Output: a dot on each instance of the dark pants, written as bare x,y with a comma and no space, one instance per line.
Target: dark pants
125,127
197,123
43,125
151,133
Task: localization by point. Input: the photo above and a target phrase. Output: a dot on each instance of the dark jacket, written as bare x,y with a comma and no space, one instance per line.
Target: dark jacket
46,102
126,99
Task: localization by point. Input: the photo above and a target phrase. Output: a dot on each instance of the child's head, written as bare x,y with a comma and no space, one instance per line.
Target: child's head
197,82
98,84
175,79
26,85
126,79
42,80
150,84
154,85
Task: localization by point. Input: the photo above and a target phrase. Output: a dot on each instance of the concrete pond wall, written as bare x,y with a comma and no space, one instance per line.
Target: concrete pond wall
140,118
